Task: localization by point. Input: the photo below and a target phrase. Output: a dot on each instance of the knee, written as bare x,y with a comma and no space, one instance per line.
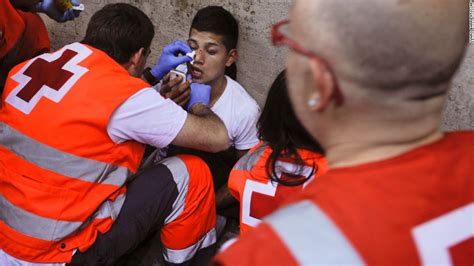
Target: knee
190,170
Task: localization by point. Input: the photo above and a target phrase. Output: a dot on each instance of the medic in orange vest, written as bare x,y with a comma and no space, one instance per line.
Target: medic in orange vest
281,165
72,132
369,79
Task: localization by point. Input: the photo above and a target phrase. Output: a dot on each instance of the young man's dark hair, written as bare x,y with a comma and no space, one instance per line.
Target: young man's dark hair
217,20
120,30
279,127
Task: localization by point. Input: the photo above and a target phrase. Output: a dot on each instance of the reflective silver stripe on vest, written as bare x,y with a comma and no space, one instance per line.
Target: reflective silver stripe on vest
49,229
60,162
248,161
180,174
181,255
110,208
311,236
33,225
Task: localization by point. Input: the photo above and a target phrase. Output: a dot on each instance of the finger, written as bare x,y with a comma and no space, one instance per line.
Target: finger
166,78
62,18
183,97
184,87
175,81
76,13
69,14
172,94
183,46
167,95
164,89
183,103
183,59
180,89
171,89
177,47
72,14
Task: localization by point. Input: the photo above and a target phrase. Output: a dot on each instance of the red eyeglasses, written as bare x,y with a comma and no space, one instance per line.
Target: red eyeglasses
279,39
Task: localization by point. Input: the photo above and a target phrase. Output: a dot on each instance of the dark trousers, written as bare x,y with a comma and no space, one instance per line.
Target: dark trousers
149,201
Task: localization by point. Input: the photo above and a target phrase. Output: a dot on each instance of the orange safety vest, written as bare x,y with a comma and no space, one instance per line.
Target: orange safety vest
416,208
61,176
258,196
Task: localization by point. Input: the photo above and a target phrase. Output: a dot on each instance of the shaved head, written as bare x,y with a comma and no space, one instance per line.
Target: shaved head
392,61
385,44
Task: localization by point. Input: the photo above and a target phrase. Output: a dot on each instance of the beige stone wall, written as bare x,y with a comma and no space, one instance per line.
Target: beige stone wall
259,62
459,109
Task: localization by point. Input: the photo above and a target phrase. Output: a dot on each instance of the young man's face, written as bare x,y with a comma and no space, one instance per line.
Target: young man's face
211,57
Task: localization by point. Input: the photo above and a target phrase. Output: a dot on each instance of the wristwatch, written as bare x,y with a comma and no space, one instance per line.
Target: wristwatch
149,77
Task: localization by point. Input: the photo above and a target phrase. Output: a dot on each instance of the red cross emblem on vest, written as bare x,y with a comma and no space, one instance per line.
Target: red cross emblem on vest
260,199
48,75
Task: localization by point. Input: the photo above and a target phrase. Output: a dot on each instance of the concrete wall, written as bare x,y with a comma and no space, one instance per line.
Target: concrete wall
459,109
259,62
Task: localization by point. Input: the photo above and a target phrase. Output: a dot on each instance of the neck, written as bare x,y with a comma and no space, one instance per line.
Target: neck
356,153
218,87
382,133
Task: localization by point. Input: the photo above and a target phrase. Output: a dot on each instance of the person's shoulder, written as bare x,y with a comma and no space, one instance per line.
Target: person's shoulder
262,246
258,152
300,233
240,95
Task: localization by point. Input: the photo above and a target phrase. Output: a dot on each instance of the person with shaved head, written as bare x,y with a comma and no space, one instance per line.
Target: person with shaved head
368,80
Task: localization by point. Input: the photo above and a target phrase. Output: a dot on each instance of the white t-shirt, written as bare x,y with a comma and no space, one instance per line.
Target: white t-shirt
148,118
239,112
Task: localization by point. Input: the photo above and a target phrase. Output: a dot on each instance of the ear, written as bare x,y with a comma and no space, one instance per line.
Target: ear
136,57
324,85
232,57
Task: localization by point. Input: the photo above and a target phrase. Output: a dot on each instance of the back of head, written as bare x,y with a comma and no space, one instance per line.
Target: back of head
120,30
393,61
279,126
387,44
217,20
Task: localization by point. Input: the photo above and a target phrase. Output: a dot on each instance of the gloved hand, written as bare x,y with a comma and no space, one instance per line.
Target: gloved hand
169,59
200,93
50,8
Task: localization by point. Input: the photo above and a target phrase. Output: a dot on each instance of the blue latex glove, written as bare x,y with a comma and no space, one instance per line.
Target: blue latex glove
50,8
169,59
200,93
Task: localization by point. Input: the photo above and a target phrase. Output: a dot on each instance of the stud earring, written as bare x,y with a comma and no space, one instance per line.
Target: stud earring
313,102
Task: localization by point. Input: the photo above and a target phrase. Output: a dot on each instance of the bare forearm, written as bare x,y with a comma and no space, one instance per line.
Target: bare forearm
215,126
203,130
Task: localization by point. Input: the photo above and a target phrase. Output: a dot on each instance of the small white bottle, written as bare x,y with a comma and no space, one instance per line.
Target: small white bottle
182,70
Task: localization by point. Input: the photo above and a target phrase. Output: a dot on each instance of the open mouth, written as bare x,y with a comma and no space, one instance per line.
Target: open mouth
196,73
